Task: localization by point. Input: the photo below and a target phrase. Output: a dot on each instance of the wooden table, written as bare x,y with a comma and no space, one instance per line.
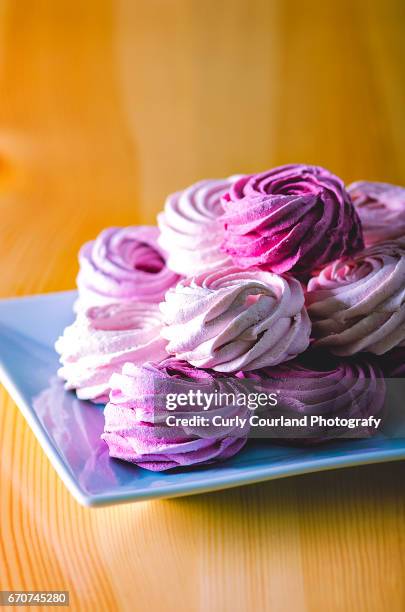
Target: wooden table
105,107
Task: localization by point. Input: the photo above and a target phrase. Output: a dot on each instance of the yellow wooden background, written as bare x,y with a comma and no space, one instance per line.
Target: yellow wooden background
106,106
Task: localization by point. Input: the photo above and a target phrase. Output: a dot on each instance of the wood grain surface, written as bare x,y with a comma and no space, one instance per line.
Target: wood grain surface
105,107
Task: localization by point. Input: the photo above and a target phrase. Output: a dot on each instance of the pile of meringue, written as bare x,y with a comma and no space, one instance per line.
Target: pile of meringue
274,277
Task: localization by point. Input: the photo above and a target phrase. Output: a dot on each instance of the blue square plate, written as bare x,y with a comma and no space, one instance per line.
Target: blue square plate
69,430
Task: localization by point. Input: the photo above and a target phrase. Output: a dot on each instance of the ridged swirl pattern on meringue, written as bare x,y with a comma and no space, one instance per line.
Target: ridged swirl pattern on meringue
293,217
123,263
381,208
135,417
231,319
190,231
319,384
102,339
358,303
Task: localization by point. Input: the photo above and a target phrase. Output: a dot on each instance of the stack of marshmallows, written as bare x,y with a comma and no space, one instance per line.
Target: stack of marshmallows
244,278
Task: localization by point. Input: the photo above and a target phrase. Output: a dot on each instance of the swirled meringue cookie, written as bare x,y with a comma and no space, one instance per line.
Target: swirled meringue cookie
102,339
358,303
294,217
136,427
381,208
190,231
319,384
231,319
123,264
